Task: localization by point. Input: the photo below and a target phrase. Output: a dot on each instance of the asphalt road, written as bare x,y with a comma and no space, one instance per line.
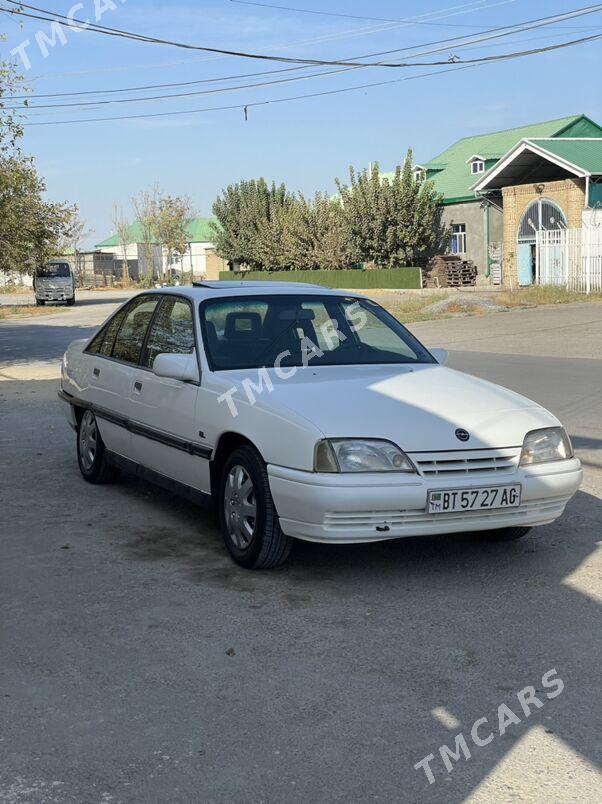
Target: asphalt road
138,664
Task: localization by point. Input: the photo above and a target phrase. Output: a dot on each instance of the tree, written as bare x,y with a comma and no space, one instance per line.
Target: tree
248,215
146,209
11,83
122,226
315,234
31,229
173,217
391,222
71,241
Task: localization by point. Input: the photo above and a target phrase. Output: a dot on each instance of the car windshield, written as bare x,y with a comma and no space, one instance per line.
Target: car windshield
295,330
55,270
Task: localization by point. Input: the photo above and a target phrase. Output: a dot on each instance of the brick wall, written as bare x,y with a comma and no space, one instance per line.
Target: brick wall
569,194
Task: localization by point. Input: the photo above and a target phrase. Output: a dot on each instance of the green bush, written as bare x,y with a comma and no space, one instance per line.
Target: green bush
398,278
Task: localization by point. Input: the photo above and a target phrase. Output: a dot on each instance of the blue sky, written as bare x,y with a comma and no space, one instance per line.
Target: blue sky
305,143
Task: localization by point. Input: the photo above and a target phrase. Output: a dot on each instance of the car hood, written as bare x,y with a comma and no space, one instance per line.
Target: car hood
418,407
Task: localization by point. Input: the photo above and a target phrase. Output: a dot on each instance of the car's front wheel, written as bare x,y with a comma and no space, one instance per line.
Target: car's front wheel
248,517
40,302
505,534
71,301
91,451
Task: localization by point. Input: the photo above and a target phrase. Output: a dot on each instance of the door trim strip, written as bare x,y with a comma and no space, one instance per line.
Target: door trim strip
137,428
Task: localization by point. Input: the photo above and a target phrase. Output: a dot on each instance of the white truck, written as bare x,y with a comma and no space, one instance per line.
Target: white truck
54,282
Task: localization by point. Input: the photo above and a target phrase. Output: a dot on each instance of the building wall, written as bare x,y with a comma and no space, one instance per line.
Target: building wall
569,194
472,215
132,251
200,259
214,264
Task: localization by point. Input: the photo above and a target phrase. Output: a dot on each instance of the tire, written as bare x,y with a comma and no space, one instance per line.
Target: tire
91,451
247,514
505,534
40,302
71,301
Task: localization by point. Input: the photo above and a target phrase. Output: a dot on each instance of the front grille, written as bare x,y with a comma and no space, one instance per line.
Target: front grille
478,462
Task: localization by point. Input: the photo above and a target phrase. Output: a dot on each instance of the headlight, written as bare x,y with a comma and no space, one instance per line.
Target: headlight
360,455
548,444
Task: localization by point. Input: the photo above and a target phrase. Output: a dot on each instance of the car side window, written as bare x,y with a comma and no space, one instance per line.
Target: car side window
110,331
371,331
130,337
96,343
172,331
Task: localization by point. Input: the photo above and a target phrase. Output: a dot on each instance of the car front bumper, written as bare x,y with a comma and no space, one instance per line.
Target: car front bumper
346,508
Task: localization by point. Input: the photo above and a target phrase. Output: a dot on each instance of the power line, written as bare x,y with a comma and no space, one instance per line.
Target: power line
270,57
197,82
438,14
246,106
472,41
361,17
155,86
479,60
97,103
377,19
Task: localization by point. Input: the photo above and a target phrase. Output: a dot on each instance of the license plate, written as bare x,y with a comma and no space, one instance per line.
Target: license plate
446,501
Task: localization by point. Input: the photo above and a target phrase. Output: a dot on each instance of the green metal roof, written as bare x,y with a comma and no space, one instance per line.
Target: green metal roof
198,230
455,180
584,154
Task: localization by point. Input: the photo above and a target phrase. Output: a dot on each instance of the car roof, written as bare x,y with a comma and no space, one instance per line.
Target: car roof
219,289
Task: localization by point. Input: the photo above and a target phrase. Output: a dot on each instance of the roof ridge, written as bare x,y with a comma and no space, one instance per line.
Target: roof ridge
565,139
572,117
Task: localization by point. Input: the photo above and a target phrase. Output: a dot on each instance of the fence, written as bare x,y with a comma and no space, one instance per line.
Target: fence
571,258
398,278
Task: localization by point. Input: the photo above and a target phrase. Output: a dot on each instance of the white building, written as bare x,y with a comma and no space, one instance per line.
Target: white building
200,259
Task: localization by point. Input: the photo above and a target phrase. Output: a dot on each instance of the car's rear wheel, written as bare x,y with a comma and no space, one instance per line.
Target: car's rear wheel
91,451
248,517
505,534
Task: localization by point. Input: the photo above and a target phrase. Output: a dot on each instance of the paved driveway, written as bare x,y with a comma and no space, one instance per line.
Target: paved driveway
140,665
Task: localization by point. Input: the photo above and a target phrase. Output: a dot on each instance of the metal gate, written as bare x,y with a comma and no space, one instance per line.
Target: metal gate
541,215
570,258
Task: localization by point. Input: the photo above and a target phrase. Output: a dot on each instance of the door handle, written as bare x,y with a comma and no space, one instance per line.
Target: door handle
137,385
96,372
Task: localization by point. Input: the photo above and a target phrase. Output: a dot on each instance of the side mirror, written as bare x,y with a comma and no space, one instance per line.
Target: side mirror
440,355
177,367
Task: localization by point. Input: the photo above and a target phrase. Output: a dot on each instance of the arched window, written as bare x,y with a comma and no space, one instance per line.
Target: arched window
540,214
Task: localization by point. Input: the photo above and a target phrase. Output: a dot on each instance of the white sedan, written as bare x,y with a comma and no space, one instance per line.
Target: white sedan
306,413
